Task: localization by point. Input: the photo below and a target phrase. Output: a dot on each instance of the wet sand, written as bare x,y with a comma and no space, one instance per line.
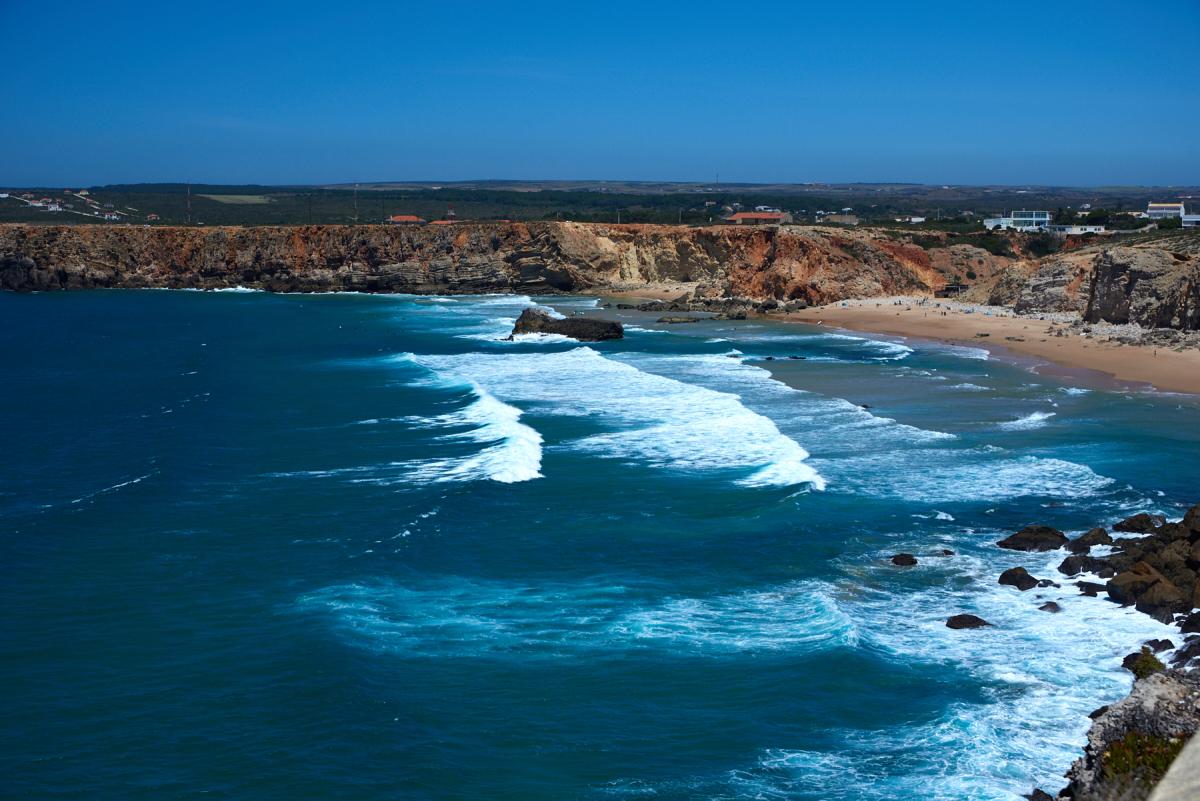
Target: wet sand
1160,368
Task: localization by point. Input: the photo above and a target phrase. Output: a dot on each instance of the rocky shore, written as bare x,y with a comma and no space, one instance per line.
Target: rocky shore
1151,564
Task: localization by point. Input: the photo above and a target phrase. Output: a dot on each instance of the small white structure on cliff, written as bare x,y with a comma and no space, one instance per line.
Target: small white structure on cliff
1160,211
1019,221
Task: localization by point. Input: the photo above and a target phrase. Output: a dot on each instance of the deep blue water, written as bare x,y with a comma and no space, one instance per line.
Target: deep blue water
355,547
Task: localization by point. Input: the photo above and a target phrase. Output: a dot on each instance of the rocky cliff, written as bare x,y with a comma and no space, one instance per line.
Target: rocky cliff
810,264
1153,288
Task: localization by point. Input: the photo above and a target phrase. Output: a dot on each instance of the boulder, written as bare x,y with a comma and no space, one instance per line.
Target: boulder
585,329
966,622
1158,646
1090,588
1191,520
1050,606
1140,523
1162,600
678,320
1187,652
904,560
1039,794
1081,563
1034,538
1018,577
1084,542
1191,623
1127,587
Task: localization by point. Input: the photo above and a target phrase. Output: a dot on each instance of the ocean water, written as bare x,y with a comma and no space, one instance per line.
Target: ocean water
358,547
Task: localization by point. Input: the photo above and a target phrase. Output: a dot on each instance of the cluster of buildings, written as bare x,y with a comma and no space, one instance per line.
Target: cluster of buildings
1042,220
73,202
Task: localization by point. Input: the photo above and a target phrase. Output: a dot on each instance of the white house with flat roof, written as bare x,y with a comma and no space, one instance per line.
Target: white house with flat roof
1160,211
1019,221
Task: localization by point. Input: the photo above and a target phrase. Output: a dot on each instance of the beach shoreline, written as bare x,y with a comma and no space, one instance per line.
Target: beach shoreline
1044,343
1048,343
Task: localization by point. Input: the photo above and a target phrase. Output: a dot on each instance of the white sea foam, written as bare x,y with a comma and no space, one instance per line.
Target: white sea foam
1028,422
470,617
113,488
513,450
1040,674
969,387
951,476
1074,391
660,421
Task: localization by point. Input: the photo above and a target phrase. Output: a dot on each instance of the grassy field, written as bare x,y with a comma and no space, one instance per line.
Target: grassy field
240,200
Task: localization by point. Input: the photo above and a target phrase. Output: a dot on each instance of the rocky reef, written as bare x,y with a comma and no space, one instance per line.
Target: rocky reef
1153,567
585,329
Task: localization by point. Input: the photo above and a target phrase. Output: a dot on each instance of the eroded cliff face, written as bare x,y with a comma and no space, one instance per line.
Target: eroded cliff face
811,264
1153,288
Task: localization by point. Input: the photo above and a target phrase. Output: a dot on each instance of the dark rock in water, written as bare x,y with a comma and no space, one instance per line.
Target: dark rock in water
947,552
1090,588
1141,523
677,320
536,321
1149,590
1018,577
1050,606
1158,646
1034,538
1085,542
1047,583
1095,713
1190,650
797,357
1039,794
1081,563
904,560
966,622
1191,623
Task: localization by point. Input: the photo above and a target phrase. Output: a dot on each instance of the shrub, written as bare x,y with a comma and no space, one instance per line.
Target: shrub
1144,758
1146,664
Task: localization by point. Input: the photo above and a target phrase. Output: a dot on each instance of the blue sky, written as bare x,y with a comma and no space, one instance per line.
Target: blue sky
1088,93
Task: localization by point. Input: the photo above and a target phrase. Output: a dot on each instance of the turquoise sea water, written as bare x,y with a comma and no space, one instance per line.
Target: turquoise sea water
357,547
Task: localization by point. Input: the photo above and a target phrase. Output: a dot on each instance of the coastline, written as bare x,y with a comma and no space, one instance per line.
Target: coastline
1043,340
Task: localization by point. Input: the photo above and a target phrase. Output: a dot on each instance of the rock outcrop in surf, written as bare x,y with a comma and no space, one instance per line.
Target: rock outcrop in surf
585,329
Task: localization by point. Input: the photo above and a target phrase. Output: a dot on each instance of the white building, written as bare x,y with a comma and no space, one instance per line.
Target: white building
1076,229
1159,211
1019,221
1191,220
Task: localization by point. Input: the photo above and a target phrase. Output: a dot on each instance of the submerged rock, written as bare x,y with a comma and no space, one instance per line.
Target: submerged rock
1034,538
1050,606
536,321
904,560
966,622
677,320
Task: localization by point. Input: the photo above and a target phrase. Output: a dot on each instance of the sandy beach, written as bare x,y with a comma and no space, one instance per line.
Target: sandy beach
1160,368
